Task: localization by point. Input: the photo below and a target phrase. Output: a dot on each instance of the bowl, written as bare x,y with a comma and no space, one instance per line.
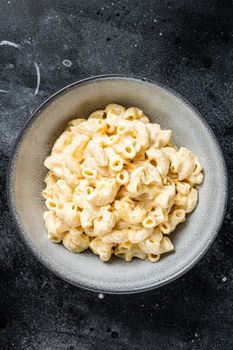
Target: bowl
26,181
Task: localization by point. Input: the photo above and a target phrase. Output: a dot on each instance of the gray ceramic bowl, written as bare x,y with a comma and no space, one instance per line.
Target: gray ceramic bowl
27,173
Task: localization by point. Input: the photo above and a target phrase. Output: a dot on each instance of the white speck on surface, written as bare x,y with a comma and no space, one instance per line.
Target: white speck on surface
157,305
192,341
155,20
27,41
142,305
224,279
67,63
135,45
38,78
160,34
10,43
100,296
196,335
4,91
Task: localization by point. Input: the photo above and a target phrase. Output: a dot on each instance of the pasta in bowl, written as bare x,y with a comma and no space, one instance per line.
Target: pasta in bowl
121,176
118,185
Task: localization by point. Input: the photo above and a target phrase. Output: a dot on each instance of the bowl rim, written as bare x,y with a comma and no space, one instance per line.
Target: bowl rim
13,158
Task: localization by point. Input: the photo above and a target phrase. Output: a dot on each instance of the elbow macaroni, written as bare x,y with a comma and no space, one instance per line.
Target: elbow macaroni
117,185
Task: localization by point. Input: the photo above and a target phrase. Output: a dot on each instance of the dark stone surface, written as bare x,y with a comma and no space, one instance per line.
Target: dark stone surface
187,45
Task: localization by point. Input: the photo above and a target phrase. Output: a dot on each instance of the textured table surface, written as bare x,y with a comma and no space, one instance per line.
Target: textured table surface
187,45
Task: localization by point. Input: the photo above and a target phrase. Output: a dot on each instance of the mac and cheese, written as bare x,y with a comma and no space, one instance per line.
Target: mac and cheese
117,185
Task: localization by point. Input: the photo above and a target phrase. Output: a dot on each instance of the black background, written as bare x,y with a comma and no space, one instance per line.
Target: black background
187,45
